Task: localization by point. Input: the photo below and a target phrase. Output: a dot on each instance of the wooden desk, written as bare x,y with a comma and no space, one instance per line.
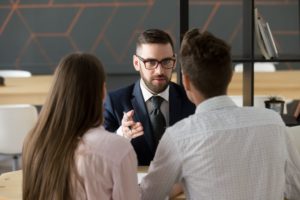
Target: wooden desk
11,185
279,83
33,90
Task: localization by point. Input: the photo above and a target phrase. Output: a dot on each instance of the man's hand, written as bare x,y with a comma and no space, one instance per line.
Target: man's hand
177,189
130,128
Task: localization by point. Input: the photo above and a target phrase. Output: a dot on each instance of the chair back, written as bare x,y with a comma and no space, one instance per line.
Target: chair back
294,133
15,122
15,73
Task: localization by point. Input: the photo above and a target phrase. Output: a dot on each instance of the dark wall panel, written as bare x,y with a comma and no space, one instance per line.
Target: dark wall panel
35,34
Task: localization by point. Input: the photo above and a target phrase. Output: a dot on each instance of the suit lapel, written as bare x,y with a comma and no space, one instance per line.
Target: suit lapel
141,113
174,105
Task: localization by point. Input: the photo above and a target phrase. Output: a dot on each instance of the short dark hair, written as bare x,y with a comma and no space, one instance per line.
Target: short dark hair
206,59
154,36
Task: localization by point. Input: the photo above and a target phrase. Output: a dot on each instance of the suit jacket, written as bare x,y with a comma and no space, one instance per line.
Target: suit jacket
131,97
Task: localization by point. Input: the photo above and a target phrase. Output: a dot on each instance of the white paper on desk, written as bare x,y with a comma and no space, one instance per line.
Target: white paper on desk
141,176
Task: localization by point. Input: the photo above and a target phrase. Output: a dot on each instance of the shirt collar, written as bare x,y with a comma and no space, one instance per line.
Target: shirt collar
147,94
215,103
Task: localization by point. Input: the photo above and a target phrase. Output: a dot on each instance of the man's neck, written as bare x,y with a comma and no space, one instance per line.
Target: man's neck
195,95
145,86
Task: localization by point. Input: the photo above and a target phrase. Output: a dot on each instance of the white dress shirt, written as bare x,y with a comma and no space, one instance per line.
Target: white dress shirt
107,167
225,152
164,107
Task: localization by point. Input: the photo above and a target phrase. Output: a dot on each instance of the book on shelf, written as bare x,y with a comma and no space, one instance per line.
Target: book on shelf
264,37
273,45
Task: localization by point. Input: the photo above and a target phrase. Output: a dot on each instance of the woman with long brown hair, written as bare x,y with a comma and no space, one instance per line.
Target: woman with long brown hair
68,154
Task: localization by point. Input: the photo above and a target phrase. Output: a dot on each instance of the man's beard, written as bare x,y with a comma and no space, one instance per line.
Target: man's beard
156,88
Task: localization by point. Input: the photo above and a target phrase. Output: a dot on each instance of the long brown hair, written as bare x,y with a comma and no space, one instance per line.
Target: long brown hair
73,106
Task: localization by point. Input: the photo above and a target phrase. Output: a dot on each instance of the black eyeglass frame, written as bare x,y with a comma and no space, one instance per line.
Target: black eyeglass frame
173,58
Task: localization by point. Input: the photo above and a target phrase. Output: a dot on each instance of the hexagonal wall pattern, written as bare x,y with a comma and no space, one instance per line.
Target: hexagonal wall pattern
35,34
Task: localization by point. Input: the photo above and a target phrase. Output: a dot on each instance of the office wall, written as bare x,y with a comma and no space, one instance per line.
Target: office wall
35,34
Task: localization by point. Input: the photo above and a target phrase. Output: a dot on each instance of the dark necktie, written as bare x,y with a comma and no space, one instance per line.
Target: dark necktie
157,119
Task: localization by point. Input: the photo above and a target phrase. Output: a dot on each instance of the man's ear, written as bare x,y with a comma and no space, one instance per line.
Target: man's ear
175,62
186,82
136,62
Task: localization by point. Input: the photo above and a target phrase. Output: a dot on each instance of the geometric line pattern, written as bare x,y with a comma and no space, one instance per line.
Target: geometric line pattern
35,34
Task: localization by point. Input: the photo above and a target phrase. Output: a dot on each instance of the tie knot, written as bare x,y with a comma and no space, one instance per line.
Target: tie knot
156,101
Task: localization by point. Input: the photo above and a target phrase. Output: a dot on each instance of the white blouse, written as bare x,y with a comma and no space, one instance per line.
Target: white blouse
107,166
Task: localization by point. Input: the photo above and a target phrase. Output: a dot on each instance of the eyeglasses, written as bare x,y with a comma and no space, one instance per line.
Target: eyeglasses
150,64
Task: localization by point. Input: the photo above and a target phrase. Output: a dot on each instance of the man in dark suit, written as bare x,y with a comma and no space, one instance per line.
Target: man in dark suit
142,111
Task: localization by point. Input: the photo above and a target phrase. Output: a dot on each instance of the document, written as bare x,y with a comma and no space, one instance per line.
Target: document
141,176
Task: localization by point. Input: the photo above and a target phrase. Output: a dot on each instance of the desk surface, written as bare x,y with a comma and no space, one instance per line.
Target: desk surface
11,185
280,83
34,90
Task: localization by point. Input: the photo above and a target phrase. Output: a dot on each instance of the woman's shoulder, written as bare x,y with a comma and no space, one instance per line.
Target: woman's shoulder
100,142
100,153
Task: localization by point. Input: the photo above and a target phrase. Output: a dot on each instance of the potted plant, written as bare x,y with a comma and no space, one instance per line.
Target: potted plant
275,103
1,81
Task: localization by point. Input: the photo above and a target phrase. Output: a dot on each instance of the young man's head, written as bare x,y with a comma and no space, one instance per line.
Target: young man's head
155,59
206,63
